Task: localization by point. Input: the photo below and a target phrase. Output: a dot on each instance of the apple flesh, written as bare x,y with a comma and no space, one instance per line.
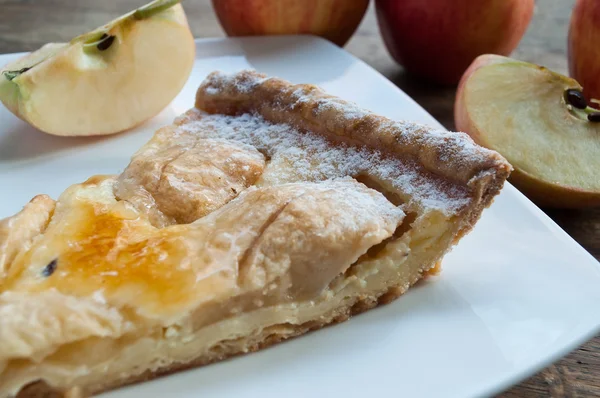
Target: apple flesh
583,45
105,81
335,20
438,39
534,118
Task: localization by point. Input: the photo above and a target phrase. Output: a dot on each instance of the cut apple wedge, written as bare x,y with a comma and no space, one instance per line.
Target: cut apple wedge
539,121
105,81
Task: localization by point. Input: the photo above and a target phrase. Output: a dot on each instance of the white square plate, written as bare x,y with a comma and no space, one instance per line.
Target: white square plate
514,295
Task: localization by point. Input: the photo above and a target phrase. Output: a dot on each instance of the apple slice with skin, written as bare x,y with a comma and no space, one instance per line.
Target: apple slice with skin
105,81
540,122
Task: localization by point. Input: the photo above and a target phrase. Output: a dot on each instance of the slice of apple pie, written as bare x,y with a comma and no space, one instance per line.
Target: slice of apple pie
266,211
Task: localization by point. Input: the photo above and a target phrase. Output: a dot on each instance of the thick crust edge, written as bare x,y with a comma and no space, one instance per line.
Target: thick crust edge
454,156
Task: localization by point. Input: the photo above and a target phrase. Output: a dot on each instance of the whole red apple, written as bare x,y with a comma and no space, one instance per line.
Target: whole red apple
335,20
584,45
438,39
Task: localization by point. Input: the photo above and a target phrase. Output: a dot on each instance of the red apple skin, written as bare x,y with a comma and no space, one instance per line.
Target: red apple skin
540,192
334,20
438,39
584,45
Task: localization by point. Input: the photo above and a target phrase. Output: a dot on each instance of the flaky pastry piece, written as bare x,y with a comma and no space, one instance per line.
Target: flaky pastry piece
266,211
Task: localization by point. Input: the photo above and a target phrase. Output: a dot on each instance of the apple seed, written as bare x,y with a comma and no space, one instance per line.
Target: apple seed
575,97
594,117
105,42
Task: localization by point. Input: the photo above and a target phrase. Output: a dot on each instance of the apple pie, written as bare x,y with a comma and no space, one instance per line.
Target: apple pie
266,211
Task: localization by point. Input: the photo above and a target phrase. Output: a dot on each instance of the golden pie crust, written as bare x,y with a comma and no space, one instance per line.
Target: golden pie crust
266,211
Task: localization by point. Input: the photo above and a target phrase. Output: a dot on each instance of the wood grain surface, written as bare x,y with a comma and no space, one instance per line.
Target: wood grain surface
27,24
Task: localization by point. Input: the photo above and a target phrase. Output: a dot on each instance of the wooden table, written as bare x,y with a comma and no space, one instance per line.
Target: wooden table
25,25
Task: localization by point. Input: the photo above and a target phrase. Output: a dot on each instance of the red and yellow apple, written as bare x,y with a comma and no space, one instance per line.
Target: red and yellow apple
335,20
105,81
438,39
584,45
540,122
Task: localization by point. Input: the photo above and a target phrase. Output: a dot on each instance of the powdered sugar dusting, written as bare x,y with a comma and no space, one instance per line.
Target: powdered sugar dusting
347,109
452,147
242,83
299,156
453,155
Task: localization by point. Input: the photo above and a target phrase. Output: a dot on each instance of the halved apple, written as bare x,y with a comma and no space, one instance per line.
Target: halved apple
539,121
105,81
